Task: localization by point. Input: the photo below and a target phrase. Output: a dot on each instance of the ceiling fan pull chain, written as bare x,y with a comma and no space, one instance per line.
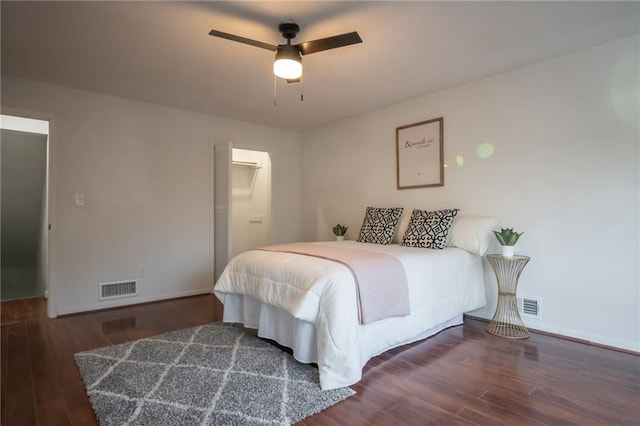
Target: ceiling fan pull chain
301,90
274,90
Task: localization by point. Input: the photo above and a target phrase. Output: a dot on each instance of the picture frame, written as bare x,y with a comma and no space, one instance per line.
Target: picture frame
420,154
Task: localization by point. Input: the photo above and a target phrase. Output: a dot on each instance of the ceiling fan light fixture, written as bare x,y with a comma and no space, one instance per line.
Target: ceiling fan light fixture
288,60
288,64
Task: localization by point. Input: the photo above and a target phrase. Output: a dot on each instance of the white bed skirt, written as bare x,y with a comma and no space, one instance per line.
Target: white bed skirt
278,325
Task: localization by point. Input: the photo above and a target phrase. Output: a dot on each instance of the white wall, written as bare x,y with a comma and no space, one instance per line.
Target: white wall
146,175
564,171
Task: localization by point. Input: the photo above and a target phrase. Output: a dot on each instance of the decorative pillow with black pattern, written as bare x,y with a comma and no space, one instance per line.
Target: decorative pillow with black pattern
429,229
379,225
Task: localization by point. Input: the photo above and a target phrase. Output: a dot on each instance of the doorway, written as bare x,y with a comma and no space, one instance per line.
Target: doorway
242,202
24,207
251,200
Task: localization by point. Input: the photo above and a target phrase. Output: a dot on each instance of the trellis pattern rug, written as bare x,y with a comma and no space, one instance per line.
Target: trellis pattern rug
214,374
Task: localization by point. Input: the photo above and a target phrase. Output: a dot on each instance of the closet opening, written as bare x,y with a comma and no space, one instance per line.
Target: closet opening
251,200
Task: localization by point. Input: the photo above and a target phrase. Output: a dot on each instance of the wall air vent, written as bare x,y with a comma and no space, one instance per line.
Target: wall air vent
529,307
118,289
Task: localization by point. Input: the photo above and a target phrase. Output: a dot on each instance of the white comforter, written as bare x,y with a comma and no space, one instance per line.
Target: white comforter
442,285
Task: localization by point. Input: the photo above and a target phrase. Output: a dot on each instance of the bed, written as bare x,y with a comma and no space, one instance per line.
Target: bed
309,304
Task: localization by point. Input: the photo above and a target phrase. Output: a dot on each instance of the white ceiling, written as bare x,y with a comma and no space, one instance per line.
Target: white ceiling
161,52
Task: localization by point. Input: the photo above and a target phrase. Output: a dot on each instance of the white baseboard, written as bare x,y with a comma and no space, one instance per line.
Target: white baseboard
132,301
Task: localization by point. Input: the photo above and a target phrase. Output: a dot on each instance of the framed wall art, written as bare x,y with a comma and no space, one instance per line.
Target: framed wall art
420,154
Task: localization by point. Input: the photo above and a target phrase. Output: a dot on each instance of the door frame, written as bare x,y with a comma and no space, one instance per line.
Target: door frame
50,199
222,205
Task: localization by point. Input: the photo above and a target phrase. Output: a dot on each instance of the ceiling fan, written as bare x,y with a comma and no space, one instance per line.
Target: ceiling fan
288,60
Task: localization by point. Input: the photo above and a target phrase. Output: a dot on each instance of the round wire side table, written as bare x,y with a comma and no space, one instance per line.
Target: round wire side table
506,320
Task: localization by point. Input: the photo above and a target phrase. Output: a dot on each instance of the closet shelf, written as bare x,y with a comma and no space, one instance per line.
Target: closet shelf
246,164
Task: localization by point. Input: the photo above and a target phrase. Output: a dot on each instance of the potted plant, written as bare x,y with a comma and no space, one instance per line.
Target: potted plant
507,238
339,231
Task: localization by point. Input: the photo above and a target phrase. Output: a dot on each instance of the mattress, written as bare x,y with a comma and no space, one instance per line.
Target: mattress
318,298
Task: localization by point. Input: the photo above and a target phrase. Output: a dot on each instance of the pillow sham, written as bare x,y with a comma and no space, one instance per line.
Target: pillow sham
472,233
429,229
379,225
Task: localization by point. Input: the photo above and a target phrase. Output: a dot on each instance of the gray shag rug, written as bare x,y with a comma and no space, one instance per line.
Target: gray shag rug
215,374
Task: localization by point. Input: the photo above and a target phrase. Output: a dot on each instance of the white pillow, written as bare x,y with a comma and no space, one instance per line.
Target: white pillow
402,228
472,233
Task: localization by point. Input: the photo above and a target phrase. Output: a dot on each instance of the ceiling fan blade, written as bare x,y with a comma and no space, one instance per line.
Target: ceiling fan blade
313,46
244,40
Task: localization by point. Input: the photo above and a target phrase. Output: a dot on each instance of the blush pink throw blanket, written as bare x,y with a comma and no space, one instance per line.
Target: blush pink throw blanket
381,281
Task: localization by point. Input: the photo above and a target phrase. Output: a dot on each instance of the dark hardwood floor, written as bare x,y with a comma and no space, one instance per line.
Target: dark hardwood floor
461,376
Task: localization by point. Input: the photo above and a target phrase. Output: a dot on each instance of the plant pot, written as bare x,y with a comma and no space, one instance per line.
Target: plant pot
339,237
507,251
